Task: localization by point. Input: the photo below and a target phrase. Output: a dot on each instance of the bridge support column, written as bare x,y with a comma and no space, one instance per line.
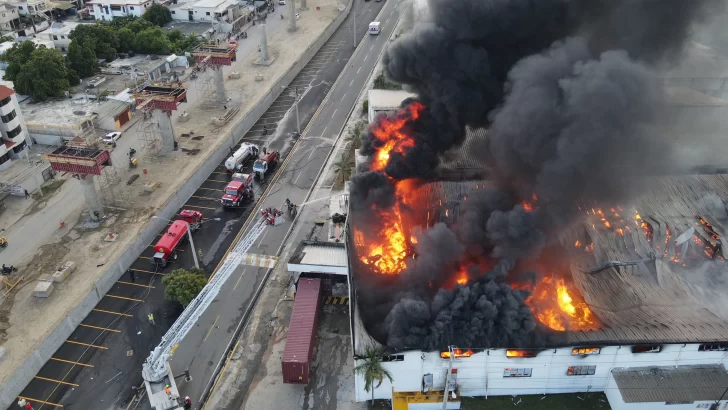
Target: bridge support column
219,85
164,120
92,197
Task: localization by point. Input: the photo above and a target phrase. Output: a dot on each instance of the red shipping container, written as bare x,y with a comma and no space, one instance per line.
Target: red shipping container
301,337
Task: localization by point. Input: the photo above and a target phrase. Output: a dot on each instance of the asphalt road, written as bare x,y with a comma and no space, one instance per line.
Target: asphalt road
202,349
102,359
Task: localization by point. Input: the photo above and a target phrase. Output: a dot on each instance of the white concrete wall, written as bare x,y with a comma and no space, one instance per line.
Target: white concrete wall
134,8
482,373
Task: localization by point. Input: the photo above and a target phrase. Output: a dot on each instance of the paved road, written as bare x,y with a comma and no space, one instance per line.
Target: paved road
204,348
102,359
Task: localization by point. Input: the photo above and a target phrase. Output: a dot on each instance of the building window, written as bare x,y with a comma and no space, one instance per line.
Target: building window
63,37
55,37
7,118
172,11
516,372
115,8
18,148
5,158
393,358
583,351
715,347
647,349
15,132
4,101
63,48
131,7
581,370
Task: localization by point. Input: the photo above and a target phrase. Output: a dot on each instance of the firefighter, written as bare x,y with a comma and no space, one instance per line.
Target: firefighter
3,242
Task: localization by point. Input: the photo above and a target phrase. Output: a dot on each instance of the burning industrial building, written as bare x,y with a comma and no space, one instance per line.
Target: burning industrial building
530,200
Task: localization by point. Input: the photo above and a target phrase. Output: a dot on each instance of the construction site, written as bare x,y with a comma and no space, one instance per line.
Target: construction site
172,162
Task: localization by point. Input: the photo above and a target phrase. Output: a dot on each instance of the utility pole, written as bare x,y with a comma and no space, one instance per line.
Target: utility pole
447,379
354,15
298,123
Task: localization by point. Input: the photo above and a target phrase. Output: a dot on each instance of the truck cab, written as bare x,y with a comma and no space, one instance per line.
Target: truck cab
374,27
238,191
265,163
167,244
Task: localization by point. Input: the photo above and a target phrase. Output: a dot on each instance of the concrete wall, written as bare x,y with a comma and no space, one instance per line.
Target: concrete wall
30,367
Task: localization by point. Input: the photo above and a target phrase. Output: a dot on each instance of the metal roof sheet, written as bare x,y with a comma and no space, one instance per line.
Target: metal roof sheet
303,321
387,99
670,384
324,255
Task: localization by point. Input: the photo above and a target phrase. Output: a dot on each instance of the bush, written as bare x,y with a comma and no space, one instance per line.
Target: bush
381,83
365,106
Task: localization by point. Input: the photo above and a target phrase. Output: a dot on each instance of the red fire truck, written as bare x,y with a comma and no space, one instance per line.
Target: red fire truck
238,190
176,233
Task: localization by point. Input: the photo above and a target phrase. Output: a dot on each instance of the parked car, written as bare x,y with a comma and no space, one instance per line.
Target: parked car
281,2
111,137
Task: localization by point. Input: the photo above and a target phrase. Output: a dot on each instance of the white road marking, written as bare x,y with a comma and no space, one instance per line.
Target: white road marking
352,82
311,154
324,132
343,96
365,57
332,115
357,71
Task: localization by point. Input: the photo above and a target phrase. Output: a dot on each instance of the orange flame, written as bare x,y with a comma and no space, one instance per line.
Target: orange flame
390,132
458,353
560,307
520,353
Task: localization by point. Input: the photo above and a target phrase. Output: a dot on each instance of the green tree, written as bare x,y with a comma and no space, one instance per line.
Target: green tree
18,55
157,14
82,59
102,38
152,41
126,40
372,369
184,285
6,38
44,75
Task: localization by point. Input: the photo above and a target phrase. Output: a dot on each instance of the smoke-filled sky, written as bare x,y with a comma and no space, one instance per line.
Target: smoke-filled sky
569,93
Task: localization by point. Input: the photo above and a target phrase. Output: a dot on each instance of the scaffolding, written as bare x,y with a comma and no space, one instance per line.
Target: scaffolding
110,186
205,87
150,139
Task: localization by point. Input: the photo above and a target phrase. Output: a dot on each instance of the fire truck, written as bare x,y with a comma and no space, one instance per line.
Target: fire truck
239,190
265,163
167,244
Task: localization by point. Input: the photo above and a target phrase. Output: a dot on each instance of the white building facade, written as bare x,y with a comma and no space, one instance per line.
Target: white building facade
15,137
491,372
58,34
107,10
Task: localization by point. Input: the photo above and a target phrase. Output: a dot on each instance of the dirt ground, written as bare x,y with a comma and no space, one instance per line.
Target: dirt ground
83,243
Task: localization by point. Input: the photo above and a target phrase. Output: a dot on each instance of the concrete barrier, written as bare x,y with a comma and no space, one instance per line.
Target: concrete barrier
25,372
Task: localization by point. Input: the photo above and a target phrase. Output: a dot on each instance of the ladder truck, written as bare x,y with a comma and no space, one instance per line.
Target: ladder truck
158,378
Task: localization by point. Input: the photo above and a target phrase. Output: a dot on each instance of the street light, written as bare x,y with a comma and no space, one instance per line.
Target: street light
189,235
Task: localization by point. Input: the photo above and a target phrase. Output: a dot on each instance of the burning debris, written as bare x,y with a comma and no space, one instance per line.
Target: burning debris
571,121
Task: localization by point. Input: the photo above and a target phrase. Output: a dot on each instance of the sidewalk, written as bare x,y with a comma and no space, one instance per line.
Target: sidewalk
20,311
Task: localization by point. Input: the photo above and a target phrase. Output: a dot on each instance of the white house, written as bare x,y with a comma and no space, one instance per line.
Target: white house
36,7
385,102
107,10
9,18
15,137
224,11
58,34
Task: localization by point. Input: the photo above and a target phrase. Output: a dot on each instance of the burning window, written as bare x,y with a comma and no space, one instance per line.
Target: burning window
583,351
514,354
459,353
508,372
715,347
646,349
581,370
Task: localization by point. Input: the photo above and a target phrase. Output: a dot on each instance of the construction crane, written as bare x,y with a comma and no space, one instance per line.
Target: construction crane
158,378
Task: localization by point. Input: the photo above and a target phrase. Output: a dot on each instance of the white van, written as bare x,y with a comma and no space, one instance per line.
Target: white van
374,28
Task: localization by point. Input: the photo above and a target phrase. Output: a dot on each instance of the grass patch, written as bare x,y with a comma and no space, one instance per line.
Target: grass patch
592,401
49,188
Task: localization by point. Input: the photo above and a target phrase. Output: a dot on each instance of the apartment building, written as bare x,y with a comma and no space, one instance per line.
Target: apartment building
15,137
107,10
58,34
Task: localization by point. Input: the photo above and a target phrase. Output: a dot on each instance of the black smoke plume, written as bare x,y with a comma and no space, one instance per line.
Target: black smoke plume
566,90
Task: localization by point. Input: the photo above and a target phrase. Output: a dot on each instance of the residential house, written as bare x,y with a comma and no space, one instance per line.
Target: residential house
107,10
9,19
223,11
58,34
15,137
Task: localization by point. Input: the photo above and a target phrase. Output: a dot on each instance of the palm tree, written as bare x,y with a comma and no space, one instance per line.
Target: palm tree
372,369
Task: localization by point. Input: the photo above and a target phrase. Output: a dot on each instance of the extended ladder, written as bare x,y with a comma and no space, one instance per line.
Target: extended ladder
155,369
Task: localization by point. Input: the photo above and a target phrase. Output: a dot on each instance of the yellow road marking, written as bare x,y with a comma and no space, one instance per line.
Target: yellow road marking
86,344
135,284
241,276
200,207
211,327
100,328
68,361
56,381
216,180
32,400
125,298
205,197
113,313
147,271
145,257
